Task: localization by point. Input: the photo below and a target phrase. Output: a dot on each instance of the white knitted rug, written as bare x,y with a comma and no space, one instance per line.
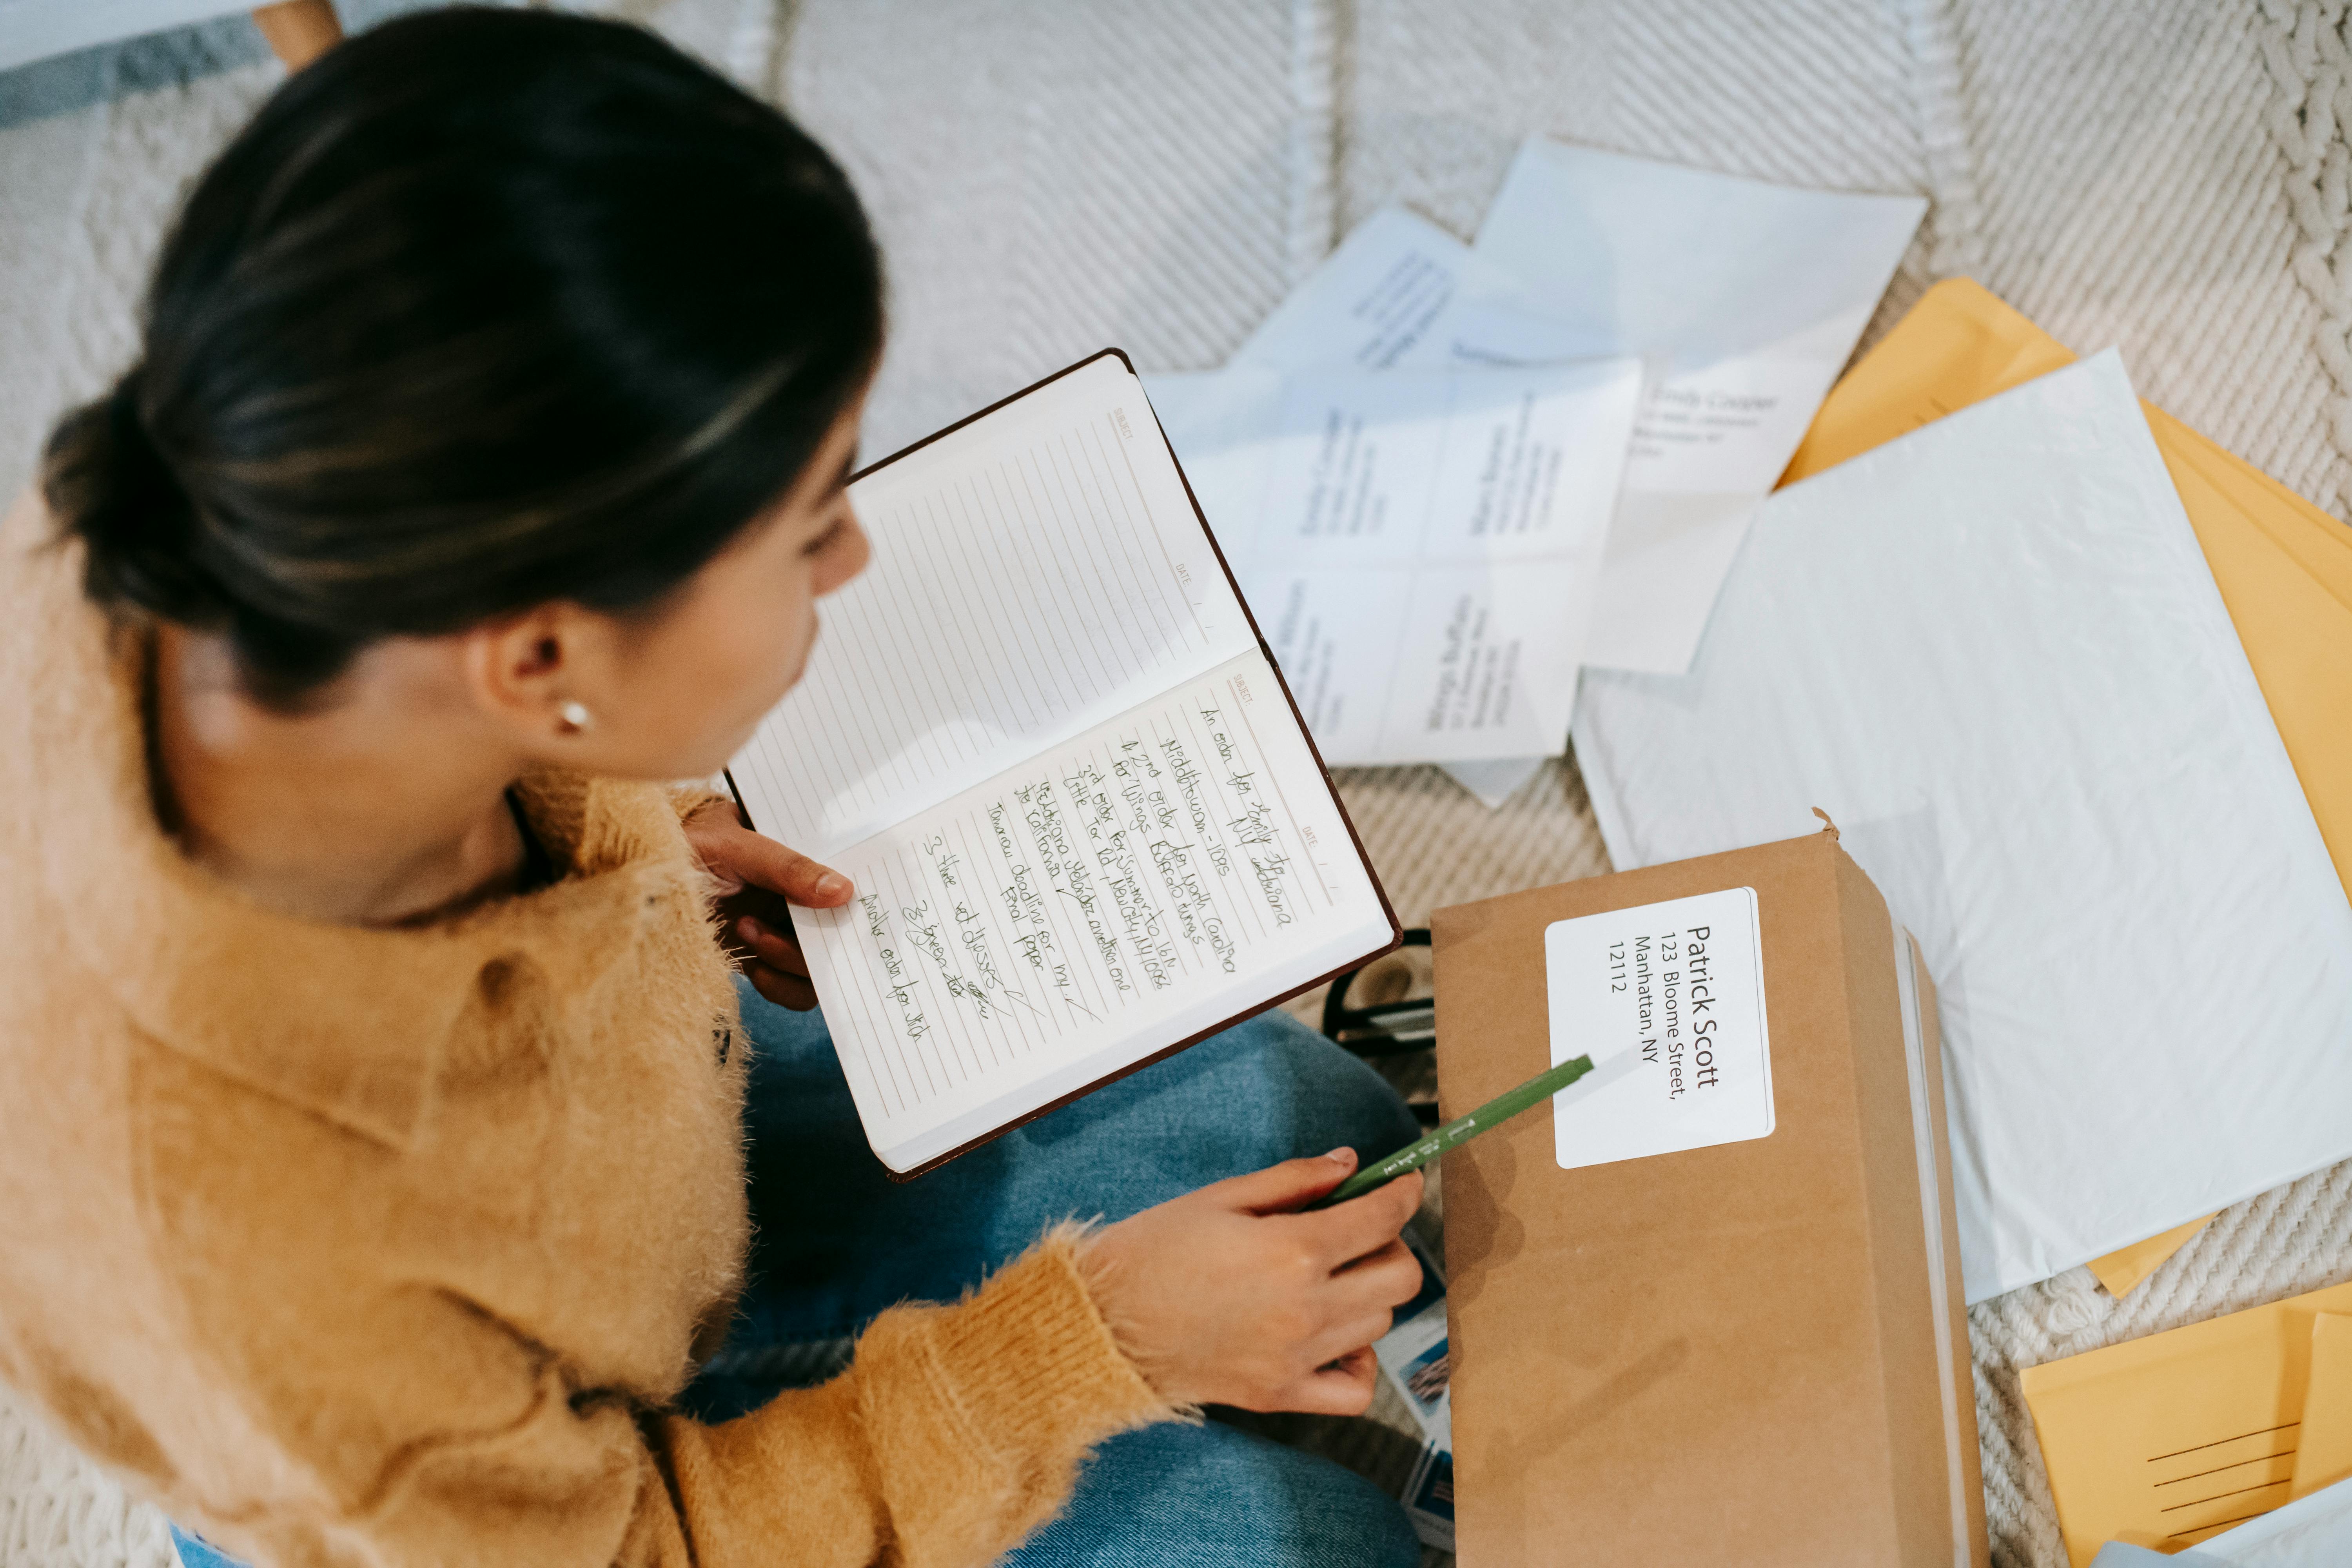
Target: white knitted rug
2171,176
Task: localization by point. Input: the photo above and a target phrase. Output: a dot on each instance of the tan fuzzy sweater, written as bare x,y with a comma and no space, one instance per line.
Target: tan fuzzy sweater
392,1247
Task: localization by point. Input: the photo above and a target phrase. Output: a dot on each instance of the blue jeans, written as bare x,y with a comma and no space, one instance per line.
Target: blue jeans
836,1242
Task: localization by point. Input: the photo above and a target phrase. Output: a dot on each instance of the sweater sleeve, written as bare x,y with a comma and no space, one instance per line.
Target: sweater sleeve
955,1432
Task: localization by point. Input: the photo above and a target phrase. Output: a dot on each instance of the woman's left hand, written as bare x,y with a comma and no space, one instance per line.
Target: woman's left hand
757,877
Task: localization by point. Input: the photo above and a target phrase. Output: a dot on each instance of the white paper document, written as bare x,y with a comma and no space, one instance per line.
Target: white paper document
1421,549
1993,653
1744,298
1748,298
1668,1001
1401,293
1495,780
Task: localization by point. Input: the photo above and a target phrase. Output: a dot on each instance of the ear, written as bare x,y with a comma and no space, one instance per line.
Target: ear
520,670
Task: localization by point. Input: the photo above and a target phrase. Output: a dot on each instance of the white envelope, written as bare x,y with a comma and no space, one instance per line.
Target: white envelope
1993,653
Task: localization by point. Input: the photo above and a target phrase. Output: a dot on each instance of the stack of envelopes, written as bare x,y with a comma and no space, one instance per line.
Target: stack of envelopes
2168,1441
2284,567
1994,651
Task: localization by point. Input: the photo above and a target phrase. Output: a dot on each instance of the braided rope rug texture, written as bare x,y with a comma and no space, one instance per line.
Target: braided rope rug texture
2170,176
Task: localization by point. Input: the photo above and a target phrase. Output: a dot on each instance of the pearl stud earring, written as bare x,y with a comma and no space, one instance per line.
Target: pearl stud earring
576,717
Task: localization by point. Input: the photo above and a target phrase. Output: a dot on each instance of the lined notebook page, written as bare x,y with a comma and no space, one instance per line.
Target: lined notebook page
1132,887
1035,573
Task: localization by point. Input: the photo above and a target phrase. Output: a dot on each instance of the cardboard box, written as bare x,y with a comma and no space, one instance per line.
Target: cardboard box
1752,1351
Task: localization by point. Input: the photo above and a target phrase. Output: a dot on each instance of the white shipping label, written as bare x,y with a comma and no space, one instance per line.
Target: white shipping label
1668,1001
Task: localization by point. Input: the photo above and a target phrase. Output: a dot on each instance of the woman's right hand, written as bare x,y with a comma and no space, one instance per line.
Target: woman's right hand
1226,1296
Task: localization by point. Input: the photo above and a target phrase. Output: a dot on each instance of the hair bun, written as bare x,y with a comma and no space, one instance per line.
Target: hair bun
107,485
343,426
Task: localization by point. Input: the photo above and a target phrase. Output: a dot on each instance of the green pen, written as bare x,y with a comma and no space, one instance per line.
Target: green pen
1458,1131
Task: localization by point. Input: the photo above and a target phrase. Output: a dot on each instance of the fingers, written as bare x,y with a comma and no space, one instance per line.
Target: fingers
1365,1224
1280,1188
1386,1278
771,948
1357,1303
1344,1339
1342,1388
709,828
785,990
773,962
764,863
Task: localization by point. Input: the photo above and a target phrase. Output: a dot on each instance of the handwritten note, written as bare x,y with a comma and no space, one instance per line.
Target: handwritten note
1041,738
1159,867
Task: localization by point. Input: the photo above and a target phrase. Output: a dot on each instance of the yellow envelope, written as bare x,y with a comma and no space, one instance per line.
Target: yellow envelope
2119,1271
1958,345
2323,1449
2283,566
2165,1441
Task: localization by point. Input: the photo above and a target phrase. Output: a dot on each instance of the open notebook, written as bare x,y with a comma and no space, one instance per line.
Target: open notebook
1043,737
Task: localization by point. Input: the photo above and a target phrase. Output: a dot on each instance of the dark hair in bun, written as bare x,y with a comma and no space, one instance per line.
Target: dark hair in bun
106,482
484,308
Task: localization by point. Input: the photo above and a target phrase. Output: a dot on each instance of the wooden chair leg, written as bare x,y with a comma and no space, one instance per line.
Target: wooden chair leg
299,31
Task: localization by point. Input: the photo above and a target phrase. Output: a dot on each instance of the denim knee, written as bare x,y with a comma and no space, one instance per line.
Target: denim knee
1210,1495
1331,1096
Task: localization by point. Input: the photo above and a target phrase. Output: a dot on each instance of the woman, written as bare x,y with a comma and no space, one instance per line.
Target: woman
377,1090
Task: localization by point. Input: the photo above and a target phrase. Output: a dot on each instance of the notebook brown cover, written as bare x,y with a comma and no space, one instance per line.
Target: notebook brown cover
779,914
1726,1355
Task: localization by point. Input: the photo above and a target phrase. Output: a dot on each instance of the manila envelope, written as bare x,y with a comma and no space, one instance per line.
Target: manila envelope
2166,1441
2284,567
2323,1449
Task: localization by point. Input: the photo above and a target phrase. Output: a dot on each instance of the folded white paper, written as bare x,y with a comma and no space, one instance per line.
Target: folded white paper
1747,296
1993,651
1421,549
1401,293
2122,1554
1495,780
2313,1532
